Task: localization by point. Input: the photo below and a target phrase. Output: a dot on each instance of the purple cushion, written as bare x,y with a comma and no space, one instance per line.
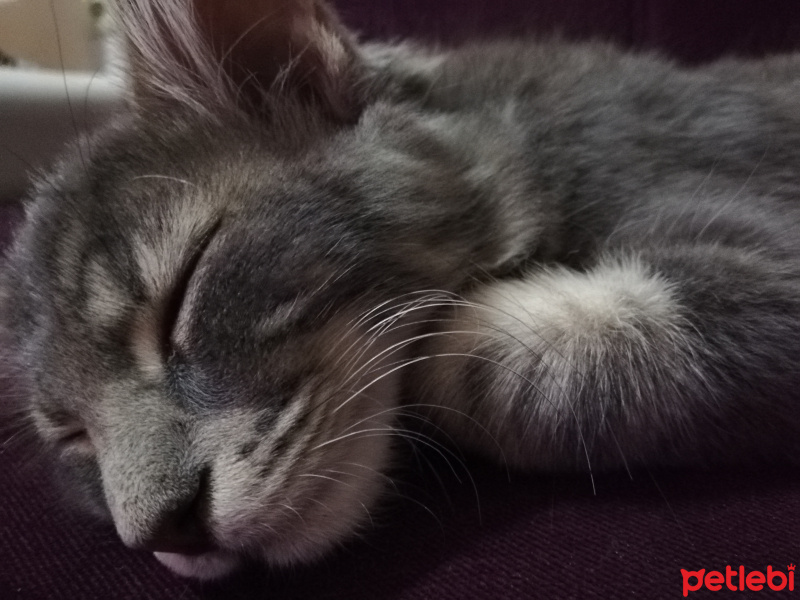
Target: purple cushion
690,30
487,537
530,537
11,215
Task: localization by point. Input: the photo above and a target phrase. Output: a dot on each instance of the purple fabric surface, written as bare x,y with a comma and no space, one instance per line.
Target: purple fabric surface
689,30
11,215
530,537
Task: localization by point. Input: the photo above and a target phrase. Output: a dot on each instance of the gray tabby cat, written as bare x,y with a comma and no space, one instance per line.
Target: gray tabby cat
564,256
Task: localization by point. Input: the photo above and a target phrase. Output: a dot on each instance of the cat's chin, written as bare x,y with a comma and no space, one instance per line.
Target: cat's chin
208,566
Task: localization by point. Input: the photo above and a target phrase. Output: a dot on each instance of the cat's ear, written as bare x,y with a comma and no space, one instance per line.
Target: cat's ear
212,55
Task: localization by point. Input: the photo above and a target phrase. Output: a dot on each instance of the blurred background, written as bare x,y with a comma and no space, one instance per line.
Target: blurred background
60,74
30,32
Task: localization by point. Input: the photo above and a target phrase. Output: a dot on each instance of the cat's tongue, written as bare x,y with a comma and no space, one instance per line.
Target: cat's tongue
209,565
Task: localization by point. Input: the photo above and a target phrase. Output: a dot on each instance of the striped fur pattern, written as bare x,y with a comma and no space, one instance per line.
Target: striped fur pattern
564,256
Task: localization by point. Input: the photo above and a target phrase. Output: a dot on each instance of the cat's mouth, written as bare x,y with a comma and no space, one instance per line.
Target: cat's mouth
214,564
189,551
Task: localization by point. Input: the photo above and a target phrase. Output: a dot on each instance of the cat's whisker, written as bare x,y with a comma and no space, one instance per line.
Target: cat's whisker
429,299
352,326
396,490
417,438
392,304
24,434
527,380
414,436
405,410
353,366
165,177
384,325
294,511
406,342
332,513
390,481
32,456
382,307
410,434
365,369
369,514
337,481
318,476
321,504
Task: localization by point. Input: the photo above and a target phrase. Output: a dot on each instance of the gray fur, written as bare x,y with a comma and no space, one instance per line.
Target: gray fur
564,255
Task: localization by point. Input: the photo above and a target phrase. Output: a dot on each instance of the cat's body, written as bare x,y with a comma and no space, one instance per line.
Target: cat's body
565,256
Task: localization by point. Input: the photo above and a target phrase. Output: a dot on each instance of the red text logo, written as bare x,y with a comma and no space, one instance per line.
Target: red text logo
738,580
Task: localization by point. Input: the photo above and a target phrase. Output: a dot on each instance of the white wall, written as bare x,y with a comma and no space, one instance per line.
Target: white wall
41,109
28,31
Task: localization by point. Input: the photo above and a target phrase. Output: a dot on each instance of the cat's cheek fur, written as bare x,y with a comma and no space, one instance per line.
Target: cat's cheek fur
310,482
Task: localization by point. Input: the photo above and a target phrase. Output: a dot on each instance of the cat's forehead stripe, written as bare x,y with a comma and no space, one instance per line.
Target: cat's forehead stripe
162,247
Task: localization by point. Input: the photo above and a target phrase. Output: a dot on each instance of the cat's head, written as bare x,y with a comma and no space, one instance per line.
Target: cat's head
204,298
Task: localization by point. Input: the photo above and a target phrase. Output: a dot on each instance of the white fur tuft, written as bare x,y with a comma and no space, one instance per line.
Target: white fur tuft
536,338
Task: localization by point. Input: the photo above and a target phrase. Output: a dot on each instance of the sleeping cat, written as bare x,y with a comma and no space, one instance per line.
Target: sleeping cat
564,256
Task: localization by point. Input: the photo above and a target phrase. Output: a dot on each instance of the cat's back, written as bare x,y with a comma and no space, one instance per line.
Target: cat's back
623,139
477,75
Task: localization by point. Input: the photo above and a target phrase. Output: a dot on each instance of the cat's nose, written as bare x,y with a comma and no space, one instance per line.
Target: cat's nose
178,531
181,529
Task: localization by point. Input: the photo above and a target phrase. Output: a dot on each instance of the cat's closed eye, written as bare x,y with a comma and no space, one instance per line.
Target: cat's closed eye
74,438
175,300
67,433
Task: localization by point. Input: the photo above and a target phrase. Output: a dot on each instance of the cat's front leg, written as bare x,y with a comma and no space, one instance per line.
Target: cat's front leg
633,361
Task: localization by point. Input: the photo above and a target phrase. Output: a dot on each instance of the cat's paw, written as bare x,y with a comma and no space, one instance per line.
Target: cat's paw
539,366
